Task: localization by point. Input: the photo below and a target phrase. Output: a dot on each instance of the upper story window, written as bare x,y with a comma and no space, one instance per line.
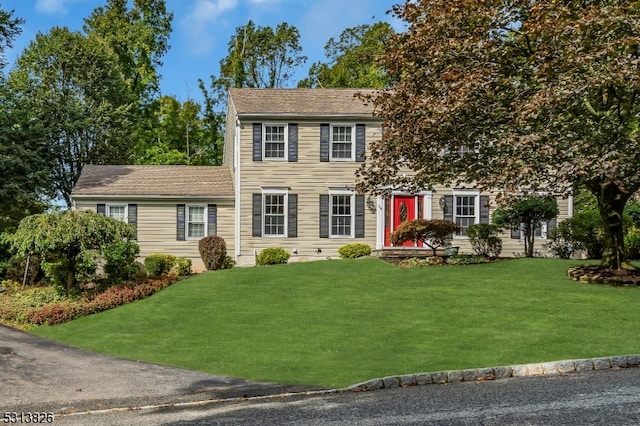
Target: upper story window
275,141
342,143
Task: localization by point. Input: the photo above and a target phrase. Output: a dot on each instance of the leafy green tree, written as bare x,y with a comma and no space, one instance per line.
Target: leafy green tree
540,95
71,98
9,29
526,213
66,236
180,134
353,59
261,56
139,36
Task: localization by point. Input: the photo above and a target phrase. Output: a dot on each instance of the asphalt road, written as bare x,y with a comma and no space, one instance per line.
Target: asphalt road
605,397
84,388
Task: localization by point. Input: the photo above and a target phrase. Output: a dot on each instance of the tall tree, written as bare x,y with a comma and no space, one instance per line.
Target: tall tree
139,36
9,29
513,94
23,169
71,99
261,56
354,59
180,134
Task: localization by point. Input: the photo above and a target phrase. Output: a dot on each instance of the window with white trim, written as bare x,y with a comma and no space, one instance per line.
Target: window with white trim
341,214
342,143
196,221
116,211
274,141
466,210
274,209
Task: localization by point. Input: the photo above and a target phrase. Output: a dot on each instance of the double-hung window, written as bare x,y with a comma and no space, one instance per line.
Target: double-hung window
341,211
466,210
117,211
275,141
196,221
275,214
342,143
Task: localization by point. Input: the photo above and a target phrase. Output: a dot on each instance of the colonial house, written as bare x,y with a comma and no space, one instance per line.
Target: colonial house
287,180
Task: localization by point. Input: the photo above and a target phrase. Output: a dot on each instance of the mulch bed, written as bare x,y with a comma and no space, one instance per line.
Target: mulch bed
596,274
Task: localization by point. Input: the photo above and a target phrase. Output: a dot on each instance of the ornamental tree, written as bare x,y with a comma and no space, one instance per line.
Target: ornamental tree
65,235
526,213
514,94
433,233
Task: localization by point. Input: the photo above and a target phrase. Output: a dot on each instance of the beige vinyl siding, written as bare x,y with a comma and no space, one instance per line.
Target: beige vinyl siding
308,178
157,226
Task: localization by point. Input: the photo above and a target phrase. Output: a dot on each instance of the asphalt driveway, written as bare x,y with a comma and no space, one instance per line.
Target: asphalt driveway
37,374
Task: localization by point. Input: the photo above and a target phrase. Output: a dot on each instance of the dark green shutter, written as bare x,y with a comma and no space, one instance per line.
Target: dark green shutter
256,216
484,209
447,214
180,222
257,141
324,216
359,231
293,142
212,219
324,142
101,209
132,217
292,212
360,142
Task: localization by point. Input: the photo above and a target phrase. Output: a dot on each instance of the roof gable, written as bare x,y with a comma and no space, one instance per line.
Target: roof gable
178,181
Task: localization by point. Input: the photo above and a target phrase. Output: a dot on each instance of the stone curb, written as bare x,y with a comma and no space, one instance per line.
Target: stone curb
494,373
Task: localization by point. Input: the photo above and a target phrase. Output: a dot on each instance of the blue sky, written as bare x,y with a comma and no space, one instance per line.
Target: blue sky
202,29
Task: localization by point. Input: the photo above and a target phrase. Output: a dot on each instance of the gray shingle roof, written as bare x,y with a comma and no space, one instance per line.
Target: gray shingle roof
317,102
209,181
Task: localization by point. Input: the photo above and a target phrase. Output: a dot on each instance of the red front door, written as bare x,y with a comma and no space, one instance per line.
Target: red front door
402,208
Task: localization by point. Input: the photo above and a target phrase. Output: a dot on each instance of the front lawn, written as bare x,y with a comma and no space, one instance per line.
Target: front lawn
338,322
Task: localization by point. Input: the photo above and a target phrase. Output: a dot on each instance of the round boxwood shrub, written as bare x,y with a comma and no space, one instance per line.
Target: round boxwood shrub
354,250
272,256
182,266
155,264
120,257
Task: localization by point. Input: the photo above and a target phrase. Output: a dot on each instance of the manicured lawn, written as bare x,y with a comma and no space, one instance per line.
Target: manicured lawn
335,323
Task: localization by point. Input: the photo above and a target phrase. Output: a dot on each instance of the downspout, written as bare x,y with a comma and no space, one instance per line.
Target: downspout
236,179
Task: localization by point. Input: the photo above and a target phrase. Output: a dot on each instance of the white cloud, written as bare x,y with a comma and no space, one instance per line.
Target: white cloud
53,7
199,24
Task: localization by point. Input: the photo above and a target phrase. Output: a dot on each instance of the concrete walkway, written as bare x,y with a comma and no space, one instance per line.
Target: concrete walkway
37,374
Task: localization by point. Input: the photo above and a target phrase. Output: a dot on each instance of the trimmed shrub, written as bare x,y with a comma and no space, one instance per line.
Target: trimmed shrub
354,250
182,266
213,251
120,257
561,242
632,243
484,239
272,256
155,265
586,233
55,273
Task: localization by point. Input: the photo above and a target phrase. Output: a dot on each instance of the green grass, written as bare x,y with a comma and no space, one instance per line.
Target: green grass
335,323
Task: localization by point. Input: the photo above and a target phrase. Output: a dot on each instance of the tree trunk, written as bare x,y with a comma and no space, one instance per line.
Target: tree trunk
611,201
528,240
